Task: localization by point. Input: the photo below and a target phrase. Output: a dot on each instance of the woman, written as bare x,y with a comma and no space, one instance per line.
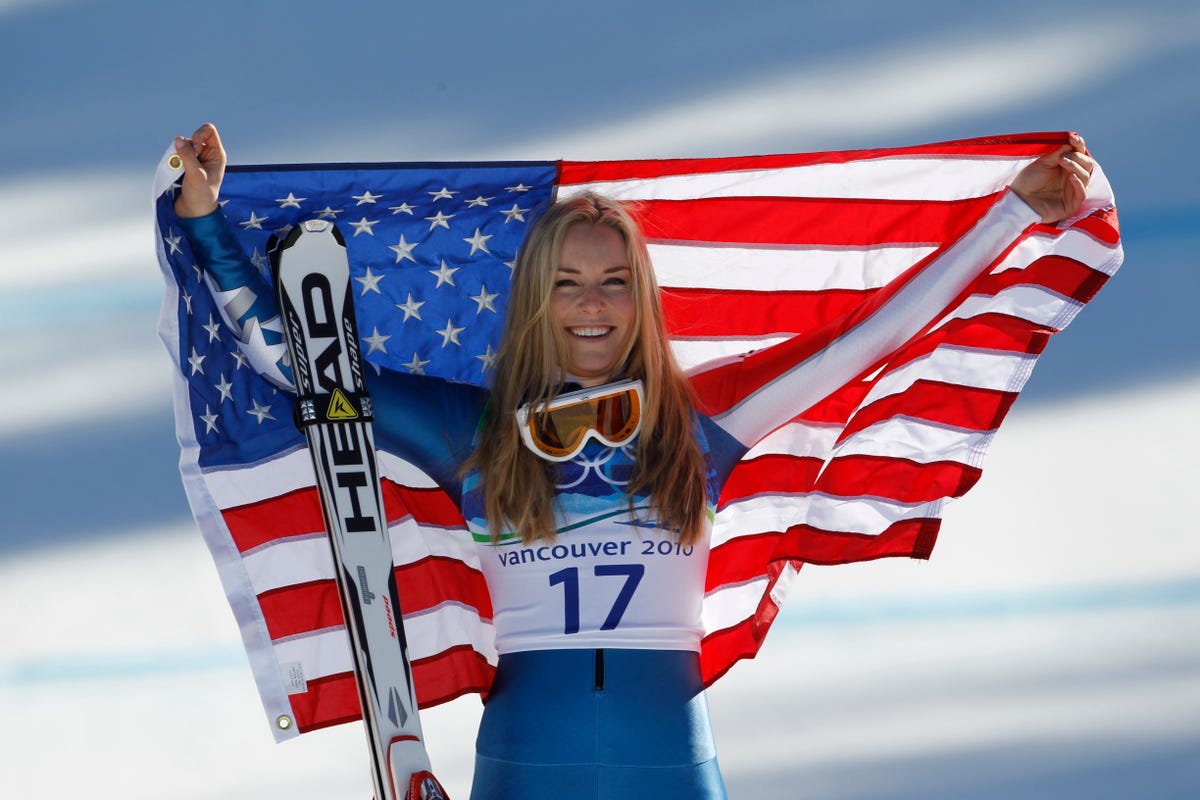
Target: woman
588,477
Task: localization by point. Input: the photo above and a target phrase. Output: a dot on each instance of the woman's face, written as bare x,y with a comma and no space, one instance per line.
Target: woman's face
592,301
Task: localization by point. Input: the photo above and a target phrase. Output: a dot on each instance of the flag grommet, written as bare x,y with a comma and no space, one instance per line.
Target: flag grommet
175,162
284,722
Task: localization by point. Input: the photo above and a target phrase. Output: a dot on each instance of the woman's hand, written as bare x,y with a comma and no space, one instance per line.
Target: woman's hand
1055,185
203,170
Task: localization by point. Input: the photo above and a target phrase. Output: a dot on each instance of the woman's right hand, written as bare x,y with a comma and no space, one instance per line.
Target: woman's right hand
203,170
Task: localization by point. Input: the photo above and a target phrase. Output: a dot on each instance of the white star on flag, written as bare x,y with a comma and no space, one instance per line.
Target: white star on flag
444,274
261,411
450,334
225,388
484,299
514,213
214,329
254,222
195,362
478,242
410,307
364,225
376,340
370,283
488,359
291,201
404,249
416,366
440,220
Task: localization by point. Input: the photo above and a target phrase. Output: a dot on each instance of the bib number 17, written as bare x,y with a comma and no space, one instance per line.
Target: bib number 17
569,579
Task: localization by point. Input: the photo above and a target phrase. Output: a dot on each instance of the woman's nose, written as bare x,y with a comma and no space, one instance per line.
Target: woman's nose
591,298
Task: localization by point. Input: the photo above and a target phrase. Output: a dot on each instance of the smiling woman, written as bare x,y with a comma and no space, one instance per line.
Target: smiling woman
590,472
593,302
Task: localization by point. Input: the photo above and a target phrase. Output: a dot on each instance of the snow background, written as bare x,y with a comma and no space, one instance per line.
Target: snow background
1050,649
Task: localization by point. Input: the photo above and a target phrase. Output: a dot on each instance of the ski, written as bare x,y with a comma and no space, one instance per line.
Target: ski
312,279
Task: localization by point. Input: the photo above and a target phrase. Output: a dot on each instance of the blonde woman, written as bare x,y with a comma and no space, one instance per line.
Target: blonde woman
588,477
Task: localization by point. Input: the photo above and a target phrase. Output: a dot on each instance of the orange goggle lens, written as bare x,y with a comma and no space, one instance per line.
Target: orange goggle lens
610,413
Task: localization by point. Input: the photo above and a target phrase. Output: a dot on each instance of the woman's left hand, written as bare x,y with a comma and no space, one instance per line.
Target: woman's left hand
1056,184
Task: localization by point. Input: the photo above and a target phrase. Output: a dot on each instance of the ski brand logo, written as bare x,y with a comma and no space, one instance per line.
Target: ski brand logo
340,407
346,452
321,321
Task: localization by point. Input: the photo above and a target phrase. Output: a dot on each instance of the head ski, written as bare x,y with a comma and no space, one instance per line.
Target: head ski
312,278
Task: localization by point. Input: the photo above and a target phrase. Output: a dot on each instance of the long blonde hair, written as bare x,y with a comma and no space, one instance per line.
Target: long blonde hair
518,485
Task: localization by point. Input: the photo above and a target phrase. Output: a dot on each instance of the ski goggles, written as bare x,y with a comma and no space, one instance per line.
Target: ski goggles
558,431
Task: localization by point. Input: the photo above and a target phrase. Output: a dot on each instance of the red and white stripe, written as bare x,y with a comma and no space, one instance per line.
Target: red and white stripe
755,252
272,517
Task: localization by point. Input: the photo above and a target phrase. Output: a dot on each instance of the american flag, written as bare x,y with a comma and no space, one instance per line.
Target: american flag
750,252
